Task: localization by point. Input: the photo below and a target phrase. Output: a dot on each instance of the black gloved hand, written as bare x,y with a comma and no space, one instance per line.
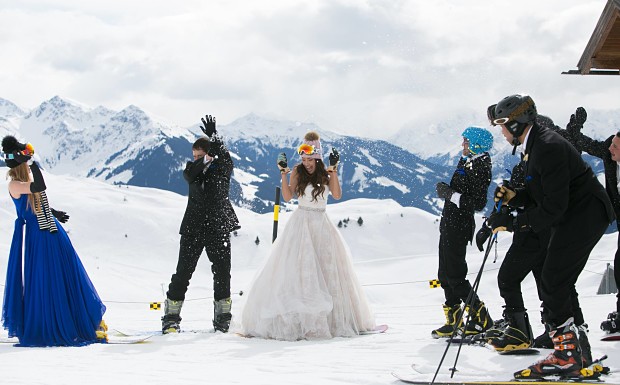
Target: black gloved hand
502,221
38,183
444,190
283,163
482,235
208,125
576,122
334,157
62,216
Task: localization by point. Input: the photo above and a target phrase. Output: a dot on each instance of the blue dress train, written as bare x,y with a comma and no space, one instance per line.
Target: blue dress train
51,301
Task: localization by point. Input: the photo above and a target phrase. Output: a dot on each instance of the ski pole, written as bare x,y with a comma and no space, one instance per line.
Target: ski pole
470,297
276,211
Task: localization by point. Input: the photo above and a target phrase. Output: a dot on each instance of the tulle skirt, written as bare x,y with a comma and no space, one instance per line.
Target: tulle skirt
307,288
60,304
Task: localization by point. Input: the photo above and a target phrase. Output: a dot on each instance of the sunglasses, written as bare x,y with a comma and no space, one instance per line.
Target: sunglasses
306,149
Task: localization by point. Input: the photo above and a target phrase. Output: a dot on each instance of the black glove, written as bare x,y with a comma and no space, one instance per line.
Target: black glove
334,157
208,125
482,235
502,221
62,216
283,163
38,183
444,191
576,122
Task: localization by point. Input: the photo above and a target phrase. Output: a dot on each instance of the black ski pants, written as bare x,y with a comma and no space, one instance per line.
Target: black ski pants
617,270
527,253
452,272
217,247
569,248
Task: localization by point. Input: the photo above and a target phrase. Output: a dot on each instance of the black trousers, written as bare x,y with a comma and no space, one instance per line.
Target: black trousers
217,247
569,248
452,272
527,253
617,271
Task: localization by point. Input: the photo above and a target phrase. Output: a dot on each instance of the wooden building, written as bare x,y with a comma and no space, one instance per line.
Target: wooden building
602,54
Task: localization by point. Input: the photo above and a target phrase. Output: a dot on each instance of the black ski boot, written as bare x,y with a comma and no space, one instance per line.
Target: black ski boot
222,315
454,320
566,359
612,324
479,319
586,352
498,328
171,321
517,335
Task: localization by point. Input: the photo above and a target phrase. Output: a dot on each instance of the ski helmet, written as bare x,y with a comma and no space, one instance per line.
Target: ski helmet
480,139
515,112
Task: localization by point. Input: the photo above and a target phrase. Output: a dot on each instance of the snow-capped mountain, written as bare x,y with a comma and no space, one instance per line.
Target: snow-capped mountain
130,147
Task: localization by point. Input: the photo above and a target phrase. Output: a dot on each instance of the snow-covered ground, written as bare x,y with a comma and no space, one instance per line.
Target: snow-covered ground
128,238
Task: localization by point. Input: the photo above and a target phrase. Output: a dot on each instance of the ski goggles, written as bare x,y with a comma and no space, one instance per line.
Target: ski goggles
306,149
498,121
28,150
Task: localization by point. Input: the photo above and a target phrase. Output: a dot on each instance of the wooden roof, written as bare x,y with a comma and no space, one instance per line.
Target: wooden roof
602,54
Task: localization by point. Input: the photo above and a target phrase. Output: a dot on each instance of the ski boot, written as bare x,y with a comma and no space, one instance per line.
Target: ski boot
222,315
586,352
498,328
612,324
517,334
102,332
454,320
479,319
171,321
566,359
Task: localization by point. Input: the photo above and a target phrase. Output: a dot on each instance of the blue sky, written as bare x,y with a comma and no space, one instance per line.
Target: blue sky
356,67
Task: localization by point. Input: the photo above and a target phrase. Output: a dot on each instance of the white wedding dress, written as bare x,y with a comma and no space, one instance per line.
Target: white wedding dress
307,288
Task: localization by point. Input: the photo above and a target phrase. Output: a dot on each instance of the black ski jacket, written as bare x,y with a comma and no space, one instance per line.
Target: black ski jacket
557,182
208,207
471,179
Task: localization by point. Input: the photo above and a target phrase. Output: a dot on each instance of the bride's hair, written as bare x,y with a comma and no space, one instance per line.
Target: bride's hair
318,179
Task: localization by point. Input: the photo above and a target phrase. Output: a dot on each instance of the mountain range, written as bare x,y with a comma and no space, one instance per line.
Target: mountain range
130,147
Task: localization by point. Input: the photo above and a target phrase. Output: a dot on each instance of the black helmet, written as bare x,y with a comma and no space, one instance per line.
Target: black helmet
516,112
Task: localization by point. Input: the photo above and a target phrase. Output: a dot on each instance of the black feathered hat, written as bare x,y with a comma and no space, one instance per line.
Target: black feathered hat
10,146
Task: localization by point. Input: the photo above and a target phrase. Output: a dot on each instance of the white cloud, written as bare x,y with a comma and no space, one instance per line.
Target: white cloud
366,68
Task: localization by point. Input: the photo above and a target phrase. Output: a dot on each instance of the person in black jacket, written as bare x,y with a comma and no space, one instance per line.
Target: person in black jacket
562,194
208,221
609,152
466,193
526,253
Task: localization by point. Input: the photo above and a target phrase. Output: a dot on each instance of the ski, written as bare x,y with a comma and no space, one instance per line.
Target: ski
412,379
611,337
112,340
378,329
482,343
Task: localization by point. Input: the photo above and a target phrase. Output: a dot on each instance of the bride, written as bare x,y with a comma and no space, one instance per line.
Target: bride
307,288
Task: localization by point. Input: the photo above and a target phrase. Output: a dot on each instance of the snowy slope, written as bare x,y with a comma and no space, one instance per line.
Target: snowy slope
127,239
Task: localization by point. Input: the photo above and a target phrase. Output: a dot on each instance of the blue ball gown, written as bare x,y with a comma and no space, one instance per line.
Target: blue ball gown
51,301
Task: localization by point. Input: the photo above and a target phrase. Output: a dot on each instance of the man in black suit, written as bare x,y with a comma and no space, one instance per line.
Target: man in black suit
208,221
562,194
609,152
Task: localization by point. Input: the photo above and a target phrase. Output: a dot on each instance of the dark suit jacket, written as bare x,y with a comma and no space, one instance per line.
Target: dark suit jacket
600,149
471,178
558,182
208,207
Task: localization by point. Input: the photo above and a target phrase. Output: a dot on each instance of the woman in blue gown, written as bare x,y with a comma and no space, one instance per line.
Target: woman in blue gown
50,300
